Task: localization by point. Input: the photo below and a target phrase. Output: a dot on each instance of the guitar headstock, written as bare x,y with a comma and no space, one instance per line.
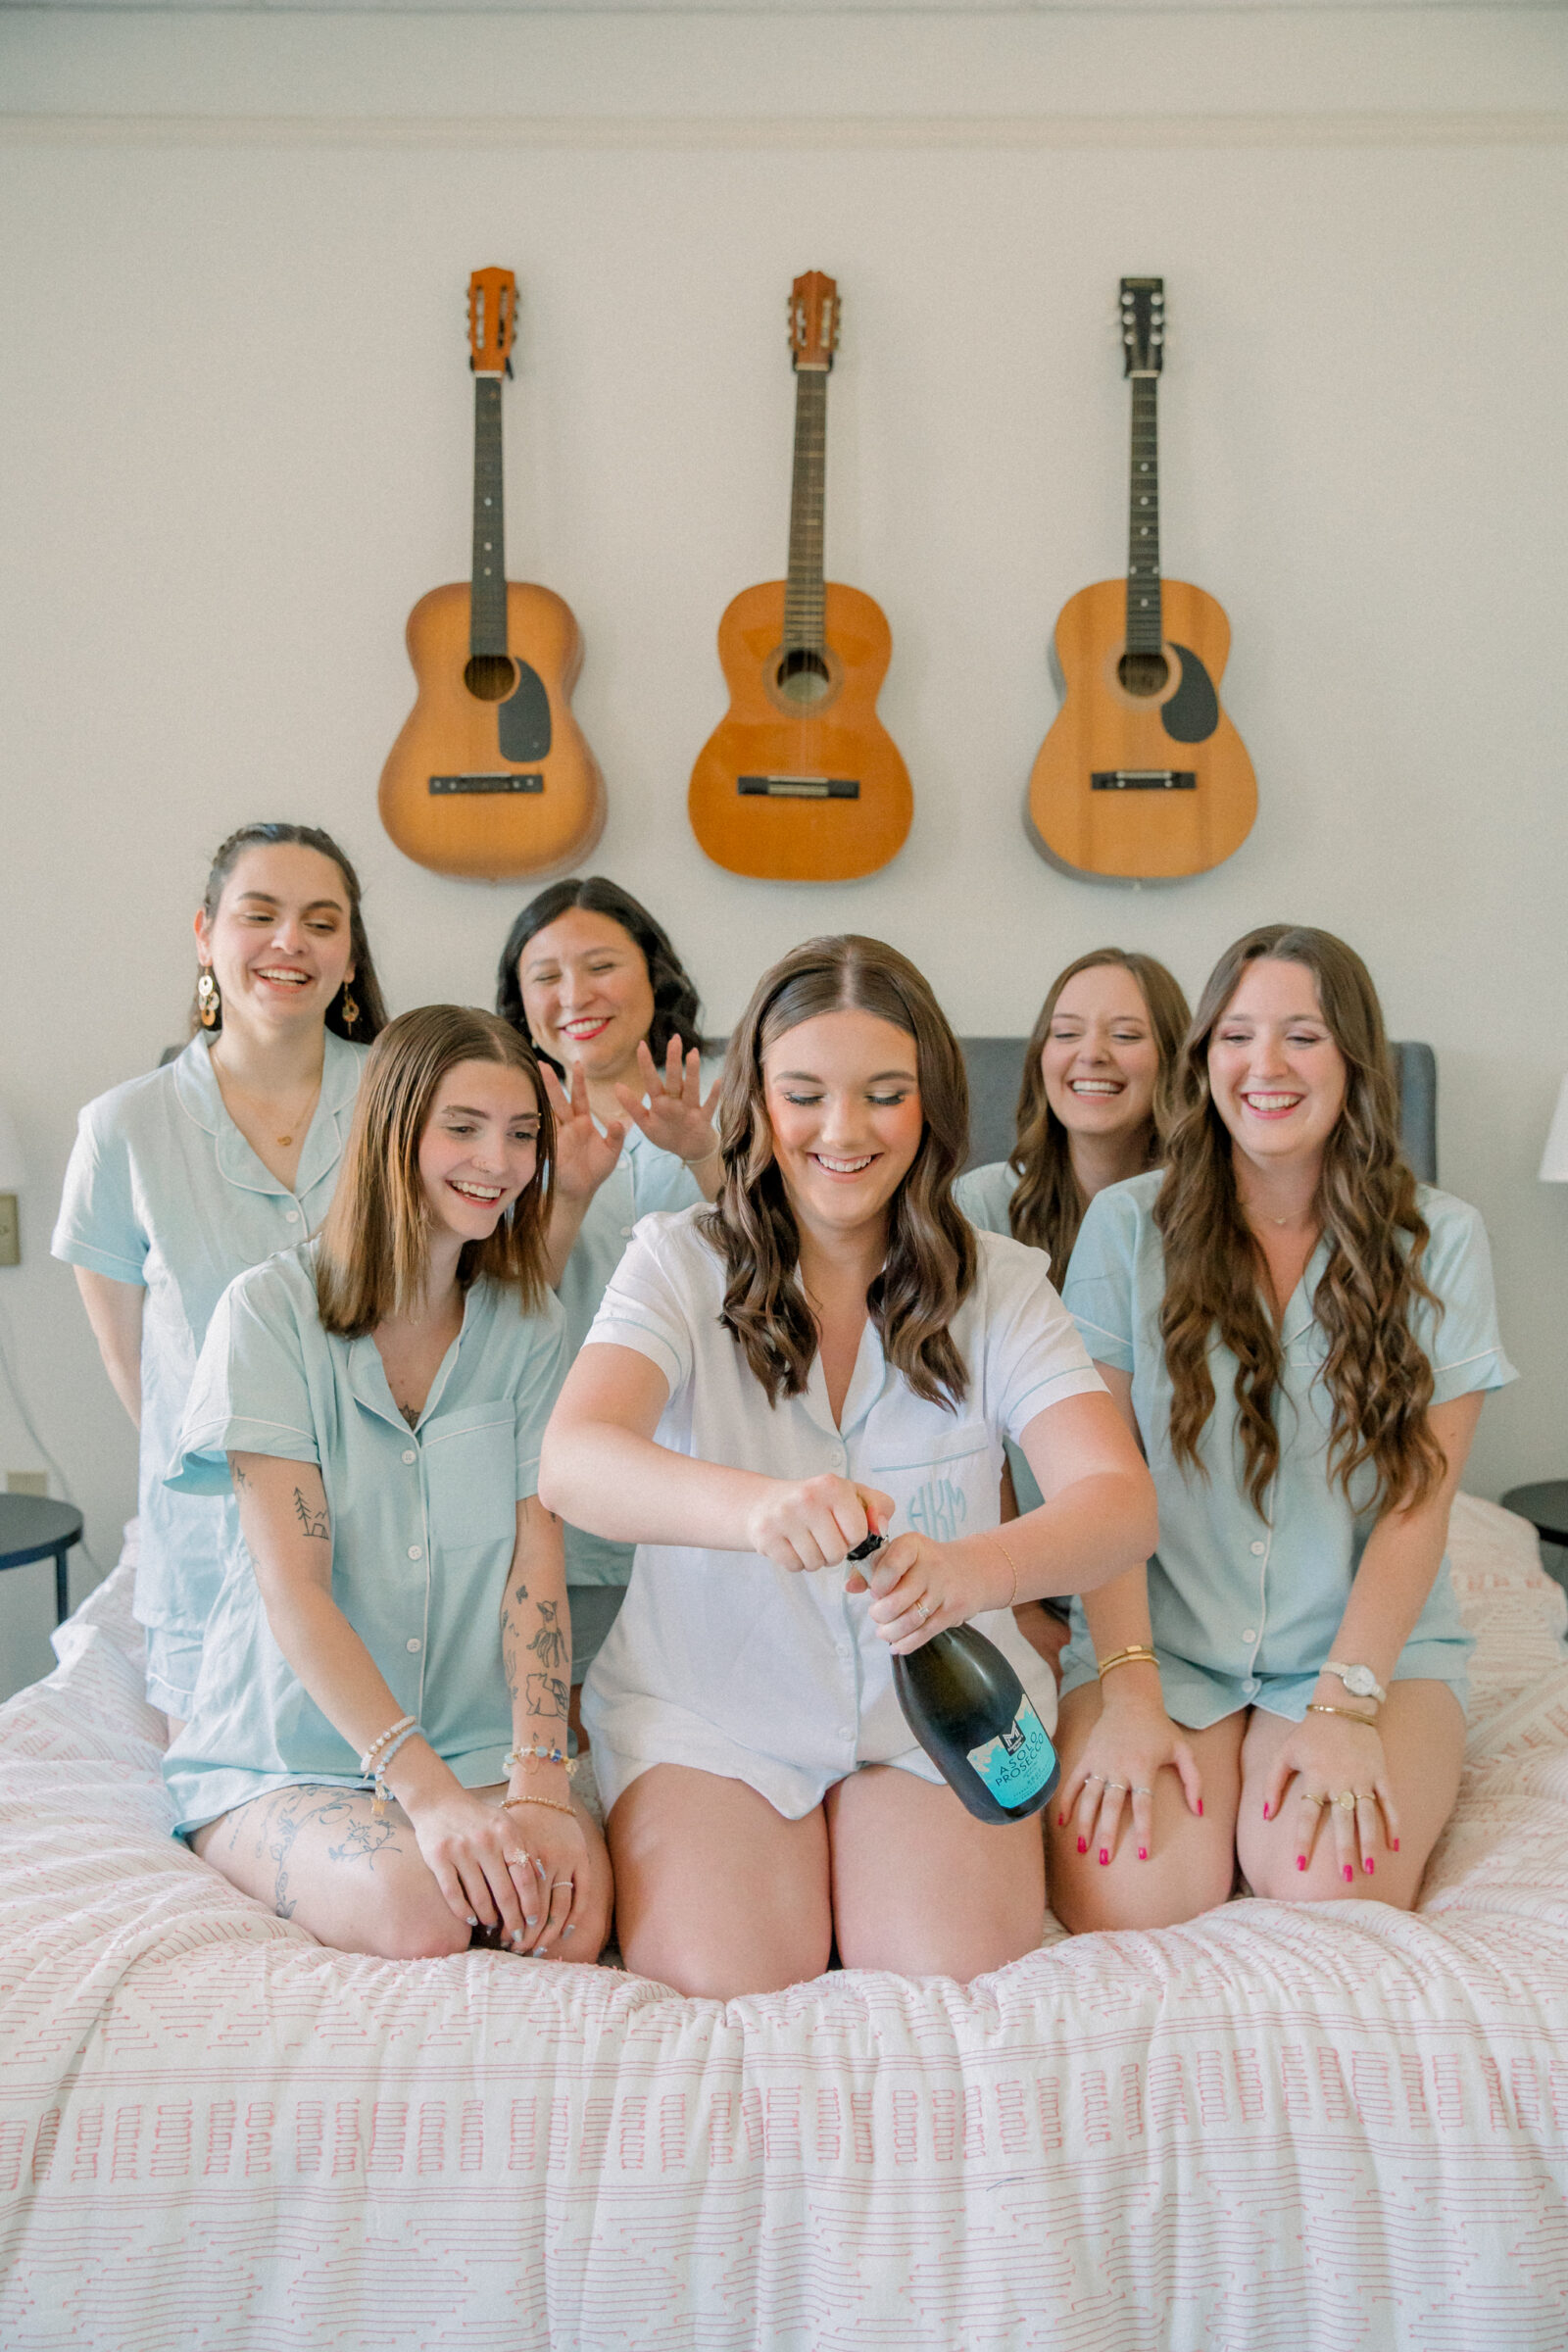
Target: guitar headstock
1143,326
814,320
492,320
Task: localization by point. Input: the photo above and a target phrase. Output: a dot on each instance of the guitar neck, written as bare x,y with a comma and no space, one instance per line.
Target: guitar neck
804,592
487,606
1144,621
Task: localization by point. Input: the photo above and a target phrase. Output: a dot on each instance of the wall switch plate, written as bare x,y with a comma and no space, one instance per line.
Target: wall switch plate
27,1482
9,1231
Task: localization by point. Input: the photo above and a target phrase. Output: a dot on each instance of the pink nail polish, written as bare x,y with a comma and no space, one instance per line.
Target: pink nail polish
1199,1809
1301,1861
1103,1854
1395,1843
1061,1821
1083,1845
1143,1853
1369,1866
1265,1809
1348,1874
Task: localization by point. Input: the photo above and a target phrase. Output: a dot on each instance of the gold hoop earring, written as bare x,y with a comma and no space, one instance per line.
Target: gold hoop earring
208,1003
351,1009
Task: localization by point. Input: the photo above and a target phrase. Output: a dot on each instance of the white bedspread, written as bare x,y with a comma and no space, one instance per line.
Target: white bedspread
1279,2128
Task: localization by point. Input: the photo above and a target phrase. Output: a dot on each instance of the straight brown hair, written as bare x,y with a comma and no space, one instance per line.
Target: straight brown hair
374,1253
931,1260
1375,1371
1047,1203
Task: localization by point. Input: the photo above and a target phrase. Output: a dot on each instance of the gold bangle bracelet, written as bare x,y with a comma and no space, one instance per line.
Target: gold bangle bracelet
507,1803
1315,1706
1135,1656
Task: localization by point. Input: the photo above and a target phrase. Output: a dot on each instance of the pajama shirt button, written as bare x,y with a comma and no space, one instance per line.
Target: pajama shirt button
1258,1550
414,1641
415,1554
1249,1633
291,1216
627,1232
407,1453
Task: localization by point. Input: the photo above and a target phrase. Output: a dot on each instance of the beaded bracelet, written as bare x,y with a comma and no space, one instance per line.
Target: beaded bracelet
368,1760
383,1796
508,1802
547,1755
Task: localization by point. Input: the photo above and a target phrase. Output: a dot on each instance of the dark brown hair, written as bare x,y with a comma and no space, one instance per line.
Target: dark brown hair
931,1258
374,1249
677,1012
1047,1205
1375,1371
364,988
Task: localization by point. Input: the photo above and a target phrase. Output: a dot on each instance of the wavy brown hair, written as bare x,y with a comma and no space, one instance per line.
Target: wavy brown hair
931,1256
1377,1375
374,1253
1049,1203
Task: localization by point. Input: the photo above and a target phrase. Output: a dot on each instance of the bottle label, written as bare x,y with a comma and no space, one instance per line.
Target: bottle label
1018,1763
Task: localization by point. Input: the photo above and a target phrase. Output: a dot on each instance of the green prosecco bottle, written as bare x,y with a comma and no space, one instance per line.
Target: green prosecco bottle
975,1721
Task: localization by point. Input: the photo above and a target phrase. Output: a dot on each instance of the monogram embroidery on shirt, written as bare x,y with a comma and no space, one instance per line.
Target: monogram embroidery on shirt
939,1511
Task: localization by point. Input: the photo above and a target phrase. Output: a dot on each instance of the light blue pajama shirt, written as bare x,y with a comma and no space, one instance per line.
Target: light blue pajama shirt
1245,1607
985,1195
424,1525
164,1191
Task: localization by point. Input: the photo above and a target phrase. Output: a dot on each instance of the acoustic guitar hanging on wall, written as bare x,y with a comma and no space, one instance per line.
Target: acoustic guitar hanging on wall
800,781
491,775
1141,777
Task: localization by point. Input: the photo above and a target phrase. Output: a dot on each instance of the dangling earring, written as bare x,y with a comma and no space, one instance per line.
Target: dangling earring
208,1003
351,1009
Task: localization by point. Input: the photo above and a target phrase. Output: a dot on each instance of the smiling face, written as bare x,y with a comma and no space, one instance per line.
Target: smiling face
843,1100
280,945
1101,1061
480,1148
1277,1077
586,994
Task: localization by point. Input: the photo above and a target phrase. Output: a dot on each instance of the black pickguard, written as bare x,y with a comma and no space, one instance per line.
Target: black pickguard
523,719
1192,712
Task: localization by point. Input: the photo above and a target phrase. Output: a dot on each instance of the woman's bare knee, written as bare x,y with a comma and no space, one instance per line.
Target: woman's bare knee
720,1966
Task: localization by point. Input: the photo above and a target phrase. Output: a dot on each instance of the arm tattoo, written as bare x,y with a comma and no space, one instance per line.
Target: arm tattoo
315,1523
549,1645
547,1695
236,1473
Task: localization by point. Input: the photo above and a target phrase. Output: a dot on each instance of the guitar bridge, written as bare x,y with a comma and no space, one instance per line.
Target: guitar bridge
506,782
1143,780
800,788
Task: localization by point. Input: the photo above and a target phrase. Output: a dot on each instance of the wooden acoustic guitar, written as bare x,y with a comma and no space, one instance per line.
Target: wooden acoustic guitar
1143,777
491,775
800,782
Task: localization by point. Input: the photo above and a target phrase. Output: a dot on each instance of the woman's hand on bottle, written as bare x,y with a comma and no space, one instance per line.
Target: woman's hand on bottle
583,1156
1112,1783
1334,1758
672,1112
919,1587
815,1522
548,1854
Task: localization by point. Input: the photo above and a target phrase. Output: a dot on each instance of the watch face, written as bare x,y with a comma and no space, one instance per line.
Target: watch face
1360,1682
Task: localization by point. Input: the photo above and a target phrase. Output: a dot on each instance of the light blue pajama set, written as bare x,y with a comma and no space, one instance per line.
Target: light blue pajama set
423,1526
1245,1607
644,1179
985,1195
164,1191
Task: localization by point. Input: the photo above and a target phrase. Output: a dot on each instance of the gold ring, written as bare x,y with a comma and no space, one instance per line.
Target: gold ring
1093,1776
1116,1788
924,1611
1345,1801
1366,1797
1137,1791
1307,1799
516,1861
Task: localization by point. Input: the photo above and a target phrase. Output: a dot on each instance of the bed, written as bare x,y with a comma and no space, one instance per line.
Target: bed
1276,2127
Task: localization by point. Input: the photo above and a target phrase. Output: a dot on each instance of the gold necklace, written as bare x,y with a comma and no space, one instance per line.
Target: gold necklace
296,1125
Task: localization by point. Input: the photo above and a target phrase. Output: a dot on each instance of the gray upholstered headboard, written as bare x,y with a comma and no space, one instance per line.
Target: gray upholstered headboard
996,1065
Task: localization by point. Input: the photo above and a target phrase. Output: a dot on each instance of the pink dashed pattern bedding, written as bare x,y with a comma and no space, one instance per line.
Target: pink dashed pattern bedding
1277,2128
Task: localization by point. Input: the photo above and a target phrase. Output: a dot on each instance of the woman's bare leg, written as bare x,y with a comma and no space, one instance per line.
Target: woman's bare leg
1192,1857
715,1892
920,1885
319,1856
1422,1729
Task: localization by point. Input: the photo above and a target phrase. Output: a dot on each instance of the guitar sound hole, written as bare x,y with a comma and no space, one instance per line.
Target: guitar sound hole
804,675
490,677
1144,673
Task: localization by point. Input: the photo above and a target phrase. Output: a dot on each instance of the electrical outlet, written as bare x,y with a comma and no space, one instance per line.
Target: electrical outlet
27,1482
9,1231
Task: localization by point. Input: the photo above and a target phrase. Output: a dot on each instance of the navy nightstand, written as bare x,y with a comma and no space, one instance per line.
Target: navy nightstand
32,1528
1545,1506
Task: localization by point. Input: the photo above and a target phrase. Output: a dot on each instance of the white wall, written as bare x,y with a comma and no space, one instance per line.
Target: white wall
236,449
